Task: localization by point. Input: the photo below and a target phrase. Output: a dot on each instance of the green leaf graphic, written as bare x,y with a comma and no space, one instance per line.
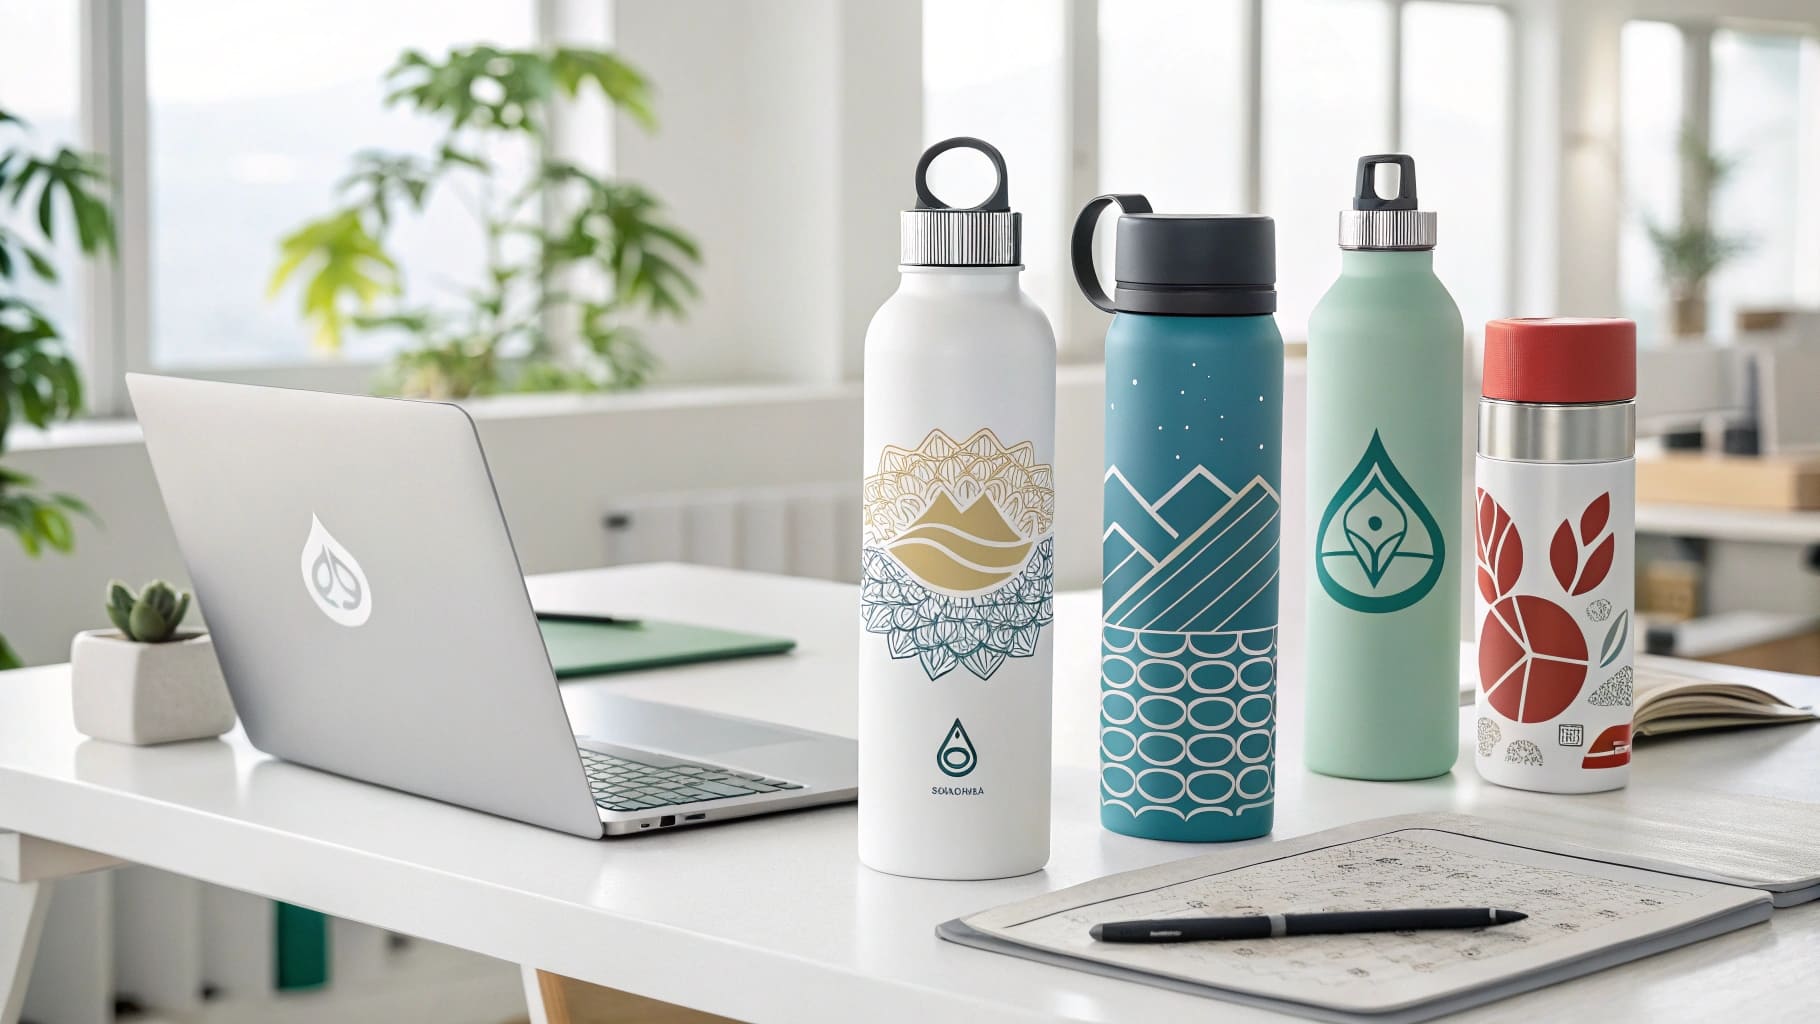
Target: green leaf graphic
1615,638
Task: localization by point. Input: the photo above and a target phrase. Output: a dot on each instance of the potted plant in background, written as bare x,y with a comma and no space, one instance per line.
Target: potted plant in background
1691,251
565,247
148,681
39,382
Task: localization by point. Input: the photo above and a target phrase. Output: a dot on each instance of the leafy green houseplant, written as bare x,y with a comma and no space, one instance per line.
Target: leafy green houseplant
1691,251
564,247
39,382
147,681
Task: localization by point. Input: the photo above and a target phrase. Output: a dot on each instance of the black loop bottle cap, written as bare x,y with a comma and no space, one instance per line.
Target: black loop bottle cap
938,235
1180,265
1375,222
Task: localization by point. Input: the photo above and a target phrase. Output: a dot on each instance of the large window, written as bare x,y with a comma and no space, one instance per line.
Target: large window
40,69
1652,114
1456,120
1758,115
975,83
248,139
225,126
1176,106
230,123
1759,131
1328,90
1172,102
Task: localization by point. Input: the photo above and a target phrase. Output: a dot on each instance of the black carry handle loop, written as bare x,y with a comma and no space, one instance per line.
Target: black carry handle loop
1080,246
1000,199
1365,186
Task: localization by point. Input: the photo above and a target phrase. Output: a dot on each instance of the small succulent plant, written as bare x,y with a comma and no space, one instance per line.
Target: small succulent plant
151,616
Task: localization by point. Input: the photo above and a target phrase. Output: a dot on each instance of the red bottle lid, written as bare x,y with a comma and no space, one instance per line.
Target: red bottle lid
1561,359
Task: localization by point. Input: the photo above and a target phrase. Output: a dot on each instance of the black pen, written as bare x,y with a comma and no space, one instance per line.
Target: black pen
1270,926
585,617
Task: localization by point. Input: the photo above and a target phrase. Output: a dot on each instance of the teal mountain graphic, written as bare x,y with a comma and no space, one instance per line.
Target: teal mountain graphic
1378,548
1172,567
956,756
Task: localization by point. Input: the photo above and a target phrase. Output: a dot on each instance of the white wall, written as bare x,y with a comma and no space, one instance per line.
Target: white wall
789,132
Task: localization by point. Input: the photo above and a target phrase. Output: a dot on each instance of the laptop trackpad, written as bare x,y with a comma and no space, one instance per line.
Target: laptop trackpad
685,732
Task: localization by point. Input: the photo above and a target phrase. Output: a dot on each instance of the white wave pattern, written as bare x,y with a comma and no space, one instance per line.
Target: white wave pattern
1187,722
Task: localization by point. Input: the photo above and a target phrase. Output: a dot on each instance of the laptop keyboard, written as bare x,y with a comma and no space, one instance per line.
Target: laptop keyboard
623,784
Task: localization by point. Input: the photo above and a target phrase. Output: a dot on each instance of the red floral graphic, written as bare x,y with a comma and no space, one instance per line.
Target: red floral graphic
1500,550
1610,750
1532,658
1577,568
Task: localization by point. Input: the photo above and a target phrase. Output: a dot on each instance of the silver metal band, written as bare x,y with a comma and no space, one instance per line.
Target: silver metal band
1533,432
1388,229
1279,926
960,238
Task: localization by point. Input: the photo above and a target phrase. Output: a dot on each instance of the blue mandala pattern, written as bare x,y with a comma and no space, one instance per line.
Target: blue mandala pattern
941,630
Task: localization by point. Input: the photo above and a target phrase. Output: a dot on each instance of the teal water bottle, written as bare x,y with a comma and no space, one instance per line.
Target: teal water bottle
1194,429
1385,476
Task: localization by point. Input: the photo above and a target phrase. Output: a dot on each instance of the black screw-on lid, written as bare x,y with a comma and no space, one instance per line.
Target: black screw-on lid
1377,223
1180,265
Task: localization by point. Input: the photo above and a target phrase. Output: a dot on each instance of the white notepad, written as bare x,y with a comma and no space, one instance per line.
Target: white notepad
1584,915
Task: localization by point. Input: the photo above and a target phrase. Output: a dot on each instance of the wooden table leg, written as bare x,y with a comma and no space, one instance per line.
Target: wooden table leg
554,999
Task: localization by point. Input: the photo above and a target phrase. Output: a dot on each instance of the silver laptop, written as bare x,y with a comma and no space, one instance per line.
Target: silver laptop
372,621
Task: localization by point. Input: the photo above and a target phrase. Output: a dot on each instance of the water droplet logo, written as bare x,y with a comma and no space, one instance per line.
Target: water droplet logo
334,579
1378,549
955,757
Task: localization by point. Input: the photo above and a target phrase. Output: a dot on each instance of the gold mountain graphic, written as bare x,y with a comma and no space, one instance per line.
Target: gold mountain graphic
908,481
961,551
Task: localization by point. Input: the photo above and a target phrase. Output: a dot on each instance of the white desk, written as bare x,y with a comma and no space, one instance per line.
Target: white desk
773,919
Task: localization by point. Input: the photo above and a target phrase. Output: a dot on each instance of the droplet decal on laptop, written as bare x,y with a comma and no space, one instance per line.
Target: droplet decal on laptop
333,577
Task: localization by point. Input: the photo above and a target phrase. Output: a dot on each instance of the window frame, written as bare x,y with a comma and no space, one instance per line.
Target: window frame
116,297
1699,83
1697,38
1083,326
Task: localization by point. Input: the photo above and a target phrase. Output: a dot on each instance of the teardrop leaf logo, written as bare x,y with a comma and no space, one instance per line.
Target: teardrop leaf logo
956,756
1378,549
334,579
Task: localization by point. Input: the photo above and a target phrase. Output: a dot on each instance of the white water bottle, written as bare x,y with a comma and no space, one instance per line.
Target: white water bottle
1555,539
955,665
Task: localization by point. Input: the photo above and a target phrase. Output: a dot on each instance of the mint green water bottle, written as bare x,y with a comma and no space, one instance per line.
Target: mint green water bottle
1385,477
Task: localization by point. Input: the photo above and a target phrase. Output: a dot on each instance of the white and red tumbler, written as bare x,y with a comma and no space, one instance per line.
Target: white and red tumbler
1555,552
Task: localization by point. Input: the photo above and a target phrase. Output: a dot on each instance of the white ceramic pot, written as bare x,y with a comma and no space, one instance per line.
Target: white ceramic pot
142,694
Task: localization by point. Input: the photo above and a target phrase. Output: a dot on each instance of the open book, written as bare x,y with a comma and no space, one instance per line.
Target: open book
1668,702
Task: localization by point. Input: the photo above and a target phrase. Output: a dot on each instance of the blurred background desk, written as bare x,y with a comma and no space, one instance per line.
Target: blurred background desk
1728,547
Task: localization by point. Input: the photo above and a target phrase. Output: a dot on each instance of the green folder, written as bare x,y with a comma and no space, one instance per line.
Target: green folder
588,646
